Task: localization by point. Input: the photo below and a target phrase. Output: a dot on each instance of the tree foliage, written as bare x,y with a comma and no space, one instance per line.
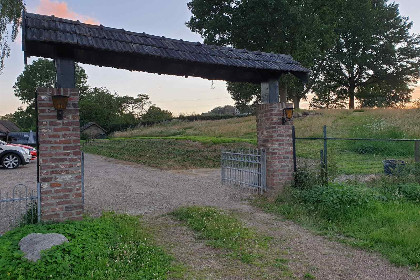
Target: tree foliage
109,110
10,14
374,58
359,49
41,73
155,114
99,105
298,28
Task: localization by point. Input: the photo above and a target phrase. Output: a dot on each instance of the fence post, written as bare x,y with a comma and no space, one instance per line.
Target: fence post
417,151
325,154
83,179
294,148
38,201
263,170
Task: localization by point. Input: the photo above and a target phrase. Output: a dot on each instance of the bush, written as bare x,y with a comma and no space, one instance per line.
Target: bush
304,178
336,202
410,192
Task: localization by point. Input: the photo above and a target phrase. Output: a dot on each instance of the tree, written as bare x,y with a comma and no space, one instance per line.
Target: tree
221,111
10,14
374,57
155,114
109,110
41,73
300,28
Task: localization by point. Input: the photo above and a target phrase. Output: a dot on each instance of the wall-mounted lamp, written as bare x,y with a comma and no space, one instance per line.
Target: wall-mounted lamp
287,115
60,104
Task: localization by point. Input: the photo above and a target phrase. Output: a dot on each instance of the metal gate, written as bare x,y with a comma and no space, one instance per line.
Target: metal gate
245,168
21,206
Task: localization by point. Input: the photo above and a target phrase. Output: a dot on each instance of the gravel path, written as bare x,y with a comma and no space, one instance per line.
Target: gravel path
131,188
135,189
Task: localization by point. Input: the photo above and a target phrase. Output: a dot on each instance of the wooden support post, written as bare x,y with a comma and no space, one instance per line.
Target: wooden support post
270,91
417,151
283,93
66,76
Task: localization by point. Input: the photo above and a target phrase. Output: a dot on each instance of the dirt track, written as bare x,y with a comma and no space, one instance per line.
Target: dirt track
135,189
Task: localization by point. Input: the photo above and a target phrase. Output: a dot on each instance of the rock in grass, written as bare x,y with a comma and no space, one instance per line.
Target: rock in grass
34,243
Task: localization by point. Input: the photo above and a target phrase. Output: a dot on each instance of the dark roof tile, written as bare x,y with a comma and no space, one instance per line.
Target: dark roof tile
51,29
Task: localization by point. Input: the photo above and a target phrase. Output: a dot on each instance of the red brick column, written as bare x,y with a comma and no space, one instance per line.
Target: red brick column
277,140
59,157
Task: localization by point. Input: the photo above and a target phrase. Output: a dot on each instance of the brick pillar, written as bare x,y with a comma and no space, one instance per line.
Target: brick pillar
277,140
60,171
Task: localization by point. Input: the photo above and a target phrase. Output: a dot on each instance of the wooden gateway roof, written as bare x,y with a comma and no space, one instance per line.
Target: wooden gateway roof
52,37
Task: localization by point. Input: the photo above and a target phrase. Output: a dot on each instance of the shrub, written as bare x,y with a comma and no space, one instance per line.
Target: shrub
305,178
336,202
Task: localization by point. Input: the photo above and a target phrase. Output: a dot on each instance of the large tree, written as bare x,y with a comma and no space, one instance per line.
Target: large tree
10,14
374,58
300,28
111,111
41,73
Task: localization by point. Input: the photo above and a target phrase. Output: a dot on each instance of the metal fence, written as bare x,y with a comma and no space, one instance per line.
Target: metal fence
244,168
359,159
21,206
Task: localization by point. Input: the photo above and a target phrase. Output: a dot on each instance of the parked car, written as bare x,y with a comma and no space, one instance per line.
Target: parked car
12,156
31,149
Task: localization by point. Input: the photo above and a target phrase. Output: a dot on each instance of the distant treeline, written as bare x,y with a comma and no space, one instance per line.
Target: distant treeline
192,118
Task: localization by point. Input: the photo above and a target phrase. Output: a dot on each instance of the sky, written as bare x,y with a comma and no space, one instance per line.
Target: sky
158,17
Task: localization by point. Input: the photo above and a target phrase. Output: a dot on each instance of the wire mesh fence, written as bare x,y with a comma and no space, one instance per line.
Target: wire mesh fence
18,207
339,159
244,168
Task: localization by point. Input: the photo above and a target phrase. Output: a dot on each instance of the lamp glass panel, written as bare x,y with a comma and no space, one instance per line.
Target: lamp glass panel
289,112
60,102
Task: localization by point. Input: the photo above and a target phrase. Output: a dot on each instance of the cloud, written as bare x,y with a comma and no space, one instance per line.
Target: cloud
60,9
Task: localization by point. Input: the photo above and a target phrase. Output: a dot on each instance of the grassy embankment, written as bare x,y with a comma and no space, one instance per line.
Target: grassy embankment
197,144
110,247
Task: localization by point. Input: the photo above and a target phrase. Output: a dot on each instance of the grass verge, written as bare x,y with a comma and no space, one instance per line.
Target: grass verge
224,231
110,247
162,153
386,220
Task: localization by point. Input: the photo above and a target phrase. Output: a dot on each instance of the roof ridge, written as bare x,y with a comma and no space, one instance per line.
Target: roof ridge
143,34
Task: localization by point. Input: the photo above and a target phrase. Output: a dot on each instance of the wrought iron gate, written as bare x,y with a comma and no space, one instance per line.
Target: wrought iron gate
245,168
21,206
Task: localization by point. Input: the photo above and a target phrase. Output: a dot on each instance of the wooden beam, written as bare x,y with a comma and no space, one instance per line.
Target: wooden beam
283,93
417,151
66,76
270,91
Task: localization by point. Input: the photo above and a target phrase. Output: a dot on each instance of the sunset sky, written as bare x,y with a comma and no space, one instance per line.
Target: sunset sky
158,17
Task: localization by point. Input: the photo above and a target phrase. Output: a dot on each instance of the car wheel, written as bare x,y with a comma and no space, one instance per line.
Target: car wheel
10,161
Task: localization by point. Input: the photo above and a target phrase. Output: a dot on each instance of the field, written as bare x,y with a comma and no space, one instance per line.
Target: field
172,142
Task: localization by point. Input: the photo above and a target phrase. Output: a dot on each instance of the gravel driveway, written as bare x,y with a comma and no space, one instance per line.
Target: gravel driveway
120,186
125,187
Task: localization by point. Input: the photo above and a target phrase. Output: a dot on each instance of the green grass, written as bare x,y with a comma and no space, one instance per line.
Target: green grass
110,247
384,218
224,231
345,157
200,139
162,153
